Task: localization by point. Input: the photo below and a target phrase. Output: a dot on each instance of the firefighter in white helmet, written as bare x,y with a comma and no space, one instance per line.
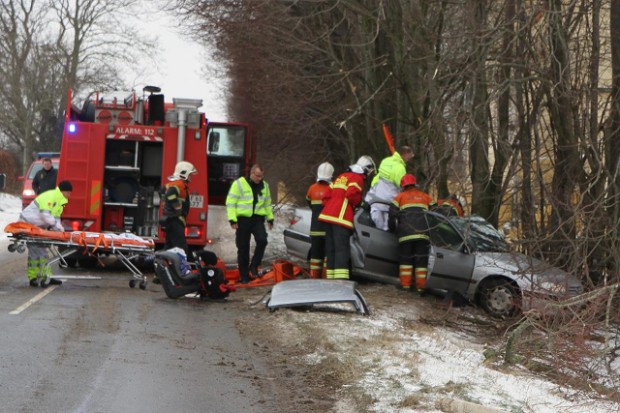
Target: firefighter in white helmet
338,209
176,205
314,196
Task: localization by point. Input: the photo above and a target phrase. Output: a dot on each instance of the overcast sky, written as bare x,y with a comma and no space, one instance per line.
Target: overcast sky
179,73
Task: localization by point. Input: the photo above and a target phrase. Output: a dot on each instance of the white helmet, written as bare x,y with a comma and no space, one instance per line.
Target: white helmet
366,164
325,172
184,170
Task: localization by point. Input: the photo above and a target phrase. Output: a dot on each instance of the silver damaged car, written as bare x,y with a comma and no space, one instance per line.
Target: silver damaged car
468,256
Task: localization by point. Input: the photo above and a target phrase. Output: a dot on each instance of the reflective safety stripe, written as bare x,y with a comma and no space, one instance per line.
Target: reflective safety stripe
329,273
95,197
341,273
333,220
316,263
316,202
414,205
317,233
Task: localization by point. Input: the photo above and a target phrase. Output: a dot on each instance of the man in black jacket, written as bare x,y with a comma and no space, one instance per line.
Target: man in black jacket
45,179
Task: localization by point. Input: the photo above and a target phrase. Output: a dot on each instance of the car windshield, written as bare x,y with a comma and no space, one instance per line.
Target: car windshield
481,235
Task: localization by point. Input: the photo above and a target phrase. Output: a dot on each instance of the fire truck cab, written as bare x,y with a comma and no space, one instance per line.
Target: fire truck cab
120,148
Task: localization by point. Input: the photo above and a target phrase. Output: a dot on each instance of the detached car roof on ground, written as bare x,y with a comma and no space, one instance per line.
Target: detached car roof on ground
468,257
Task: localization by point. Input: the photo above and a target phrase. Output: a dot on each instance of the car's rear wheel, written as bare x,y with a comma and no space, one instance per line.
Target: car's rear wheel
500,297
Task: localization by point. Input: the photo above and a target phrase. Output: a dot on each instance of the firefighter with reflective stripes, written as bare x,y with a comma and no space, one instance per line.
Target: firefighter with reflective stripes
314,196
248,205
177,204
338,210
407,215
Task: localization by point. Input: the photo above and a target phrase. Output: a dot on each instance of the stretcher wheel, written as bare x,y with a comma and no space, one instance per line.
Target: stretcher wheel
20,248
11,247
143,285
132,283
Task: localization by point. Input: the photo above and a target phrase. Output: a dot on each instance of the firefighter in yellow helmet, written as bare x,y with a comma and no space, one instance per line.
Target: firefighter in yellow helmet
176,205
248,205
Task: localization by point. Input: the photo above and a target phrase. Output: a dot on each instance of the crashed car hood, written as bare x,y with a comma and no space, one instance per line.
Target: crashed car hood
529,272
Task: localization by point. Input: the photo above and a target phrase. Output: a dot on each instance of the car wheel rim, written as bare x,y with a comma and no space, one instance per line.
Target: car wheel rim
501,301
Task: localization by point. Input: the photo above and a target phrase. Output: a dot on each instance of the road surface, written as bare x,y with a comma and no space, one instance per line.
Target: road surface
100,346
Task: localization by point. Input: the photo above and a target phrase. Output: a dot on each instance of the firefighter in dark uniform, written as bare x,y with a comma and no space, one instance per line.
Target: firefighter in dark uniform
314,196
45,179
176,205
338,209
450,206
407,215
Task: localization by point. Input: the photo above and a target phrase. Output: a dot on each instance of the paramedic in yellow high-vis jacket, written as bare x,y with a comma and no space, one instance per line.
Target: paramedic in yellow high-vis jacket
45,212
248,206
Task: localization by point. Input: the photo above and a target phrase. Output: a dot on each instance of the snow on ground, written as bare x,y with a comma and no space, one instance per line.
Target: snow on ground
442,359
10,207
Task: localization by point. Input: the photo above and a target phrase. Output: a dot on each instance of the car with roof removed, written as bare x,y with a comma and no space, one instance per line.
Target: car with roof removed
468,257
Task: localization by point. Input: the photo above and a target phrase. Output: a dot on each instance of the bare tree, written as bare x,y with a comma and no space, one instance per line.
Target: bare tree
49,47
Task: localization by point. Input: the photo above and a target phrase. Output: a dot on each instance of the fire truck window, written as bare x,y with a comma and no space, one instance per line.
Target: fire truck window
227,141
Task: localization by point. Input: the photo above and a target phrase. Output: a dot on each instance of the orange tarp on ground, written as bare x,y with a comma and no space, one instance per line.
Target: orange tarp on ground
282,270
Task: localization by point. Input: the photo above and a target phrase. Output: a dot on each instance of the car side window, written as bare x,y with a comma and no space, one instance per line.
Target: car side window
443,234
365,219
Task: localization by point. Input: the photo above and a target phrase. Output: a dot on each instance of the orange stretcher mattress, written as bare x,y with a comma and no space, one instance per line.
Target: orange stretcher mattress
94,240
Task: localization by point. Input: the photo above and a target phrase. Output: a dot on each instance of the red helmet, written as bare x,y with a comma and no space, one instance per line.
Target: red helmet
407,180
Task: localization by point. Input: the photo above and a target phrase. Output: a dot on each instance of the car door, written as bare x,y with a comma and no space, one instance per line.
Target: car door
451,263
379,249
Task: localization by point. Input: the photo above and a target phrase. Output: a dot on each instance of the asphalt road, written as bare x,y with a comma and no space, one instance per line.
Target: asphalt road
100,346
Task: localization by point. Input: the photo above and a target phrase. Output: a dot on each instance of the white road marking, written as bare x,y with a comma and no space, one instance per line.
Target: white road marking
33,300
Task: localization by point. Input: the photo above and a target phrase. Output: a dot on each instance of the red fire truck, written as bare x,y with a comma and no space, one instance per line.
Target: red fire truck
120,148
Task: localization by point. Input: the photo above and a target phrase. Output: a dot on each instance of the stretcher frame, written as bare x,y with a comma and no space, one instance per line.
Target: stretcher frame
123,252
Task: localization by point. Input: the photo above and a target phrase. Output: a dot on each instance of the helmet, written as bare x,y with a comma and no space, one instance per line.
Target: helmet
184,170
407,180
367,165
325,172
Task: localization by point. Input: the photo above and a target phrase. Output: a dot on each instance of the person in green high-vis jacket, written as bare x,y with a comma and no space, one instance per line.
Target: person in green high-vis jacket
248,206
45,212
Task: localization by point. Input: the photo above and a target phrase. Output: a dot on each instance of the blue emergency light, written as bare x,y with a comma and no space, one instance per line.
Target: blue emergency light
72,128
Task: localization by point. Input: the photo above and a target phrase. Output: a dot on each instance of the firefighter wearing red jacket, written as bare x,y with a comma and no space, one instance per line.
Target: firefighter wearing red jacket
314,196
338,209
407,214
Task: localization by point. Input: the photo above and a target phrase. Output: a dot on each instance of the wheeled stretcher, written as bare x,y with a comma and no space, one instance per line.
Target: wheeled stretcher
125,247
